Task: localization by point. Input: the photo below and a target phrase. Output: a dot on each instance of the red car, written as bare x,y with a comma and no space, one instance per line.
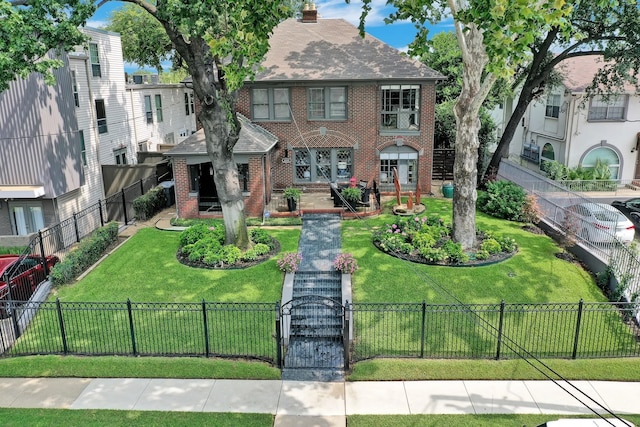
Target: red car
25,277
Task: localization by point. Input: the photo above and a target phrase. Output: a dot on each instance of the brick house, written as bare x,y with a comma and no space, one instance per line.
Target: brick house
339,106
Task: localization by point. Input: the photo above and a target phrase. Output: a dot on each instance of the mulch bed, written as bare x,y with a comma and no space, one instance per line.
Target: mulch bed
237,266
413,257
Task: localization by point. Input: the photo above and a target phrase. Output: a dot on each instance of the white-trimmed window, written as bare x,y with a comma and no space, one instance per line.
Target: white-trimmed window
602,156
405,163
323,164
148,112
121,156
83,148
553,106
327,103
400,107
186,104
26,217
74,85
95,60
101,116
614,108
159,108
270,104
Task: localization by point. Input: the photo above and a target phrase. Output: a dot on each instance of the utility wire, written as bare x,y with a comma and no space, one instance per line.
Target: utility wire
511,344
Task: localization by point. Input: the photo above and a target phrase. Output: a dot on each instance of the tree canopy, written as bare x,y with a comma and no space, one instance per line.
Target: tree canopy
144,40
29,30
494,37
597,27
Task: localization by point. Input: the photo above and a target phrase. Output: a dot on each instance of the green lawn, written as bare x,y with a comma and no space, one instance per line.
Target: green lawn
534,274
145,269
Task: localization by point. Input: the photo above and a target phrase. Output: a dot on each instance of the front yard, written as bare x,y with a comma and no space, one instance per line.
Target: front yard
145,269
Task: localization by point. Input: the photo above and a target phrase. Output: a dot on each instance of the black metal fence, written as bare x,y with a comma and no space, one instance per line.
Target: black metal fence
418,330
495,331
59,238
147,329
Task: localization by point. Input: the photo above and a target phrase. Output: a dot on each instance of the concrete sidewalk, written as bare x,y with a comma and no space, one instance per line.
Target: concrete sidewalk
316,403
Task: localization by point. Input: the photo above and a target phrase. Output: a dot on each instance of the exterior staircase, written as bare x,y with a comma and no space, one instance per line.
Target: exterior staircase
315,348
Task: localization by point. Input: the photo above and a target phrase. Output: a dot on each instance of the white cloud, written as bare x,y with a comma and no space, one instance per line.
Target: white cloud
351,12
97,23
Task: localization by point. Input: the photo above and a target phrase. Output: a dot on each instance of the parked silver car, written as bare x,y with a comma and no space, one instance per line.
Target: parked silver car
599,223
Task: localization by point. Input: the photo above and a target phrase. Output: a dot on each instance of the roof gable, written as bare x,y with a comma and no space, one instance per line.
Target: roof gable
332,49
578,72
253,139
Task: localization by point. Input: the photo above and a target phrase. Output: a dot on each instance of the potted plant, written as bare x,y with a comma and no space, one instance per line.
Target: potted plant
352,196
291,194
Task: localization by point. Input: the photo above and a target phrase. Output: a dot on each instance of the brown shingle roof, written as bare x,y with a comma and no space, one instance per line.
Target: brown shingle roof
579,71
332,49
253,139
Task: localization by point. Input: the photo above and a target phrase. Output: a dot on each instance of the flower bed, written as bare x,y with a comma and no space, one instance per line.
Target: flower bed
428,240
203,246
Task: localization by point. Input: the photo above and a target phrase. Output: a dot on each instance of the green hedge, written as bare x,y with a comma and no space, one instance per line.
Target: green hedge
85,255
149,204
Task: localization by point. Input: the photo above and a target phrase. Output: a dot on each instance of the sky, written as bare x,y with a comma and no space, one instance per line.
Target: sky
398,35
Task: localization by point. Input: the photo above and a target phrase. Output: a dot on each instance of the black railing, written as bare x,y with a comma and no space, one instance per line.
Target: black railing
59,238
495,331
417,330
149,329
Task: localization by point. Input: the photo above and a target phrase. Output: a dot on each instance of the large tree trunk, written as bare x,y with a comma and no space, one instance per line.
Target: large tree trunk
467,107
220,144
221,130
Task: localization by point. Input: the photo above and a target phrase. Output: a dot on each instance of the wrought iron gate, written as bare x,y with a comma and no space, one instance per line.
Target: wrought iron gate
313,334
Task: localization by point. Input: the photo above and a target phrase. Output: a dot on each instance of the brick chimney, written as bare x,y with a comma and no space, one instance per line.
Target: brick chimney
309,13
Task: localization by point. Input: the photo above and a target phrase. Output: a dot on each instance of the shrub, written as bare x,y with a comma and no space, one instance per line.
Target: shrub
423,240
503,199
492,246
345,263
289,262
434,254
454,251
530,212
507,244
482,255
86,254
260,235
230,254
193,234
149,204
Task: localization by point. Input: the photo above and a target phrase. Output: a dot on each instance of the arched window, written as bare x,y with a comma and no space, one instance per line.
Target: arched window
547,152
605,156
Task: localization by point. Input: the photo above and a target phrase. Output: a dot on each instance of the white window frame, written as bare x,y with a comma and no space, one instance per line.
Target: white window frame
613,109
400,108
94,55
148,111
83,148
74,85
309,167
101,120
120,156
552,109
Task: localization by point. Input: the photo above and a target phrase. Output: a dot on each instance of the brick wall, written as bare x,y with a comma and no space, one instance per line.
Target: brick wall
186,204
359,131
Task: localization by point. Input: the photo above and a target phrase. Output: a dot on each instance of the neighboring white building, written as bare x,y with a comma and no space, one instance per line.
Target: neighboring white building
162,114
567,127
54,140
